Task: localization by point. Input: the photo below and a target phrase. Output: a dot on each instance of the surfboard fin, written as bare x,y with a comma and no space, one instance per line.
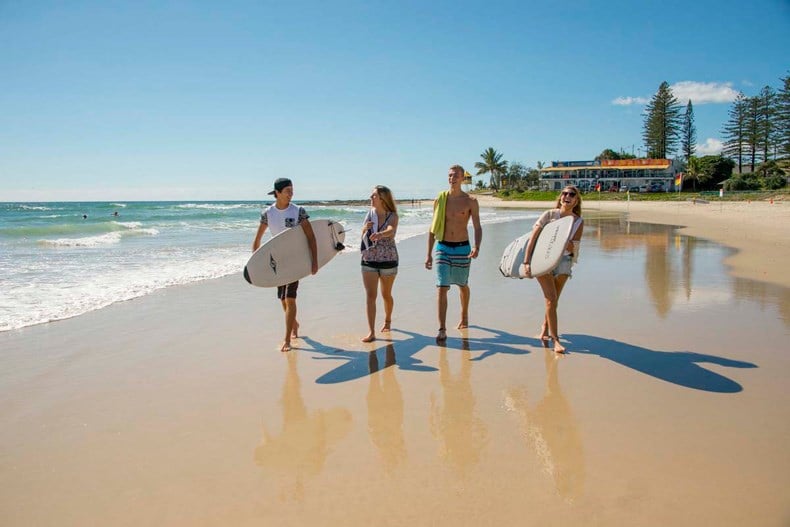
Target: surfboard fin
338,245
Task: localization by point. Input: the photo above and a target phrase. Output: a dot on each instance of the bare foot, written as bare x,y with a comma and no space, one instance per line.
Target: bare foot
369,338
558,348
286,346
442,335
386,327
544,332
463,324
295,331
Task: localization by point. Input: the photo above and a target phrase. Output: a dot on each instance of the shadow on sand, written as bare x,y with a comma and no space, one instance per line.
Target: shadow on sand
678,367
356,364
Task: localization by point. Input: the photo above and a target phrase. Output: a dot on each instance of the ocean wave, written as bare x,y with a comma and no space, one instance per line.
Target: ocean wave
135,227
63,298
110,238
33,207
129,224
329,209
216,206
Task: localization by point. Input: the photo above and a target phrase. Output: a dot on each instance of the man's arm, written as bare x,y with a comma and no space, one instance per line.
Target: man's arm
258,235
431,240
308,232
474,210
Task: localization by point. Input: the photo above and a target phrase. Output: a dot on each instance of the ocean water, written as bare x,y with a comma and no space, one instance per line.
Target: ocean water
57,264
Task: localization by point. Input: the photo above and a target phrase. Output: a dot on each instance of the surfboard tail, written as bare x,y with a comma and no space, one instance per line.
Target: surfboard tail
247,275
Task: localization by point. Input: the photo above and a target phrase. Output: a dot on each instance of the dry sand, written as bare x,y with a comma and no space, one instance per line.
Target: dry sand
670,409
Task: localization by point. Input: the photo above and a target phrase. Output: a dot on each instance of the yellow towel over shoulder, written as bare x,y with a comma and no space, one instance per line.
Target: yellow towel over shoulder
437,226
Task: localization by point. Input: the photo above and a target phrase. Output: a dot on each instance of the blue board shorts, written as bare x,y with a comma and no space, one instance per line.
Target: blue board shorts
452,263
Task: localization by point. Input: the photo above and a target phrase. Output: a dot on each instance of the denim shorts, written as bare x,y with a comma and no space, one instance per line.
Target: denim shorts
387,271
564,267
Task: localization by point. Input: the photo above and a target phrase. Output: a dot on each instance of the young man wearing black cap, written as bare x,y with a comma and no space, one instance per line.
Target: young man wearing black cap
279,216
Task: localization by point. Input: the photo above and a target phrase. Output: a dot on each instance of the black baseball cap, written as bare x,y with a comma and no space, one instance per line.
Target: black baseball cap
279,184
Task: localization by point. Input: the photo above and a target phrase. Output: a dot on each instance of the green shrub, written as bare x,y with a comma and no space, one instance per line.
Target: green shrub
747,181
774,182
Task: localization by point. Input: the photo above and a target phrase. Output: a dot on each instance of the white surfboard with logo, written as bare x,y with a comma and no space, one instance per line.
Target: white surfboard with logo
547,253
285,258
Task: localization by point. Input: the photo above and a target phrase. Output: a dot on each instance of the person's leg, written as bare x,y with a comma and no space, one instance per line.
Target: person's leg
371,282
550,296
389,303
559,284
441,296
464,294
289,305
290,292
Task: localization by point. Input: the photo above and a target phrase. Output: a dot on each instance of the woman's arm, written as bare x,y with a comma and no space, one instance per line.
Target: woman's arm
389,231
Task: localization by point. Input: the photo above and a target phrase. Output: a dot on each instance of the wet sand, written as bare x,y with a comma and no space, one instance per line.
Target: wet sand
758,230
670,408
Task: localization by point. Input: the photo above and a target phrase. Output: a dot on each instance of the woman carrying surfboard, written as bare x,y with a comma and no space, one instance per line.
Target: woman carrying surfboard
379,256
569,203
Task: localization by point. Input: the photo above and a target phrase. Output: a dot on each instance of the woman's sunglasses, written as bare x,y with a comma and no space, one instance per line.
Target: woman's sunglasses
569,193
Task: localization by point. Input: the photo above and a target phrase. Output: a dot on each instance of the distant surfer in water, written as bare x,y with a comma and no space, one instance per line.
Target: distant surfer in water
568,203
452,210
379,256
279,216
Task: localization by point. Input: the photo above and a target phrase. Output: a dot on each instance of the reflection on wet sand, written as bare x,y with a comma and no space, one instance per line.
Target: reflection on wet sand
550,430
460,433
301,448
665,251
385,409
765,294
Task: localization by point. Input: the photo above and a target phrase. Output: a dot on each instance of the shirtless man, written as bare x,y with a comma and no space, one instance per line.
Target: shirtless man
452,211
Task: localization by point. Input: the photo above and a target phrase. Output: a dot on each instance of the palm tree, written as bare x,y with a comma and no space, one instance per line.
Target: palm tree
492,164
694,171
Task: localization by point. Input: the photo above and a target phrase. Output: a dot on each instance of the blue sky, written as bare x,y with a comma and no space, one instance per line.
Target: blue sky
214,100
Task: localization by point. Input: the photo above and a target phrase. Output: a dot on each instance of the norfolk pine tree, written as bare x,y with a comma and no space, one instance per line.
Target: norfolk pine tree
783,117
767,120
688,134
734,131
662,123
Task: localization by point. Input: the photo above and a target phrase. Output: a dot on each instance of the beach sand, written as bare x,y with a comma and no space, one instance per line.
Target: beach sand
671,407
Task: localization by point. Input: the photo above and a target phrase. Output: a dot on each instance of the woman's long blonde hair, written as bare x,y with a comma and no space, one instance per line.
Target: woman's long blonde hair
577,209
385,195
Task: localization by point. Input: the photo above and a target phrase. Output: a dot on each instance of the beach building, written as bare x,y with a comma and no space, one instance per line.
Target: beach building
638,175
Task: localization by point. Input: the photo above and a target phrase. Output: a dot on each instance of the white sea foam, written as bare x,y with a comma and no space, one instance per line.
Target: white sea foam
88,241
56,298
129,224
134,227
216,206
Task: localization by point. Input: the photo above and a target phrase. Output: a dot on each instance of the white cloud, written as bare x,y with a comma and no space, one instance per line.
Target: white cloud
627,101
698,92
710,147
704,92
